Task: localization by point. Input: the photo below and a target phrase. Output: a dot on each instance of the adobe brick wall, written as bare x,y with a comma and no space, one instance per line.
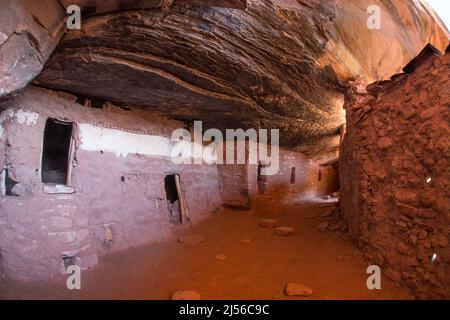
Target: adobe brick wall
240,188
395,176
123,192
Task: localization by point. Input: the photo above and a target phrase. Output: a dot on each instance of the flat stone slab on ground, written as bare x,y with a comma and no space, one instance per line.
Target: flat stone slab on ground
186,295
192,239
297,289
268,223
221,257
283,231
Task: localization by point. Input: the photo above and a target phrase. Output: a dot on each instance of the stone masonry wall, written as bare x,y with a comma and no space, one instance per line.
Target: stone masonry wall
119,199
240,187
394,175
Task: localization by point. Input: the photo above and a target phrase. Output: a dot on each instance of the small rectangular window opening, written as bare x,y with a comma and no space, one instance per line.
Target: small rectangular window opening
56,151
69,260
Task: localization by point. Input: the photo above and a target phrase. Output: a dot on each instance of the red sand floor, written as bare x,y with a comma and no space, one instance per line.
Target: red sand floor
330,265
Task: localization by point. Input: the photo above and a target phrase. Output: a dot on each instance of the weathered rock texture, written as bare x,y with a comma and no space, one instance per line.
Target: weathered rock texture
277,64
29,32
394,172
96,7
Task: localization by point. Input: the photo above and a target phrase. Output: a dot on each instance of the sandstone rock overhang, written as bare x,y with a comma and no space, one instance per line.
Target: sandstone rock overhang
276,64
29,32
250,64
96,7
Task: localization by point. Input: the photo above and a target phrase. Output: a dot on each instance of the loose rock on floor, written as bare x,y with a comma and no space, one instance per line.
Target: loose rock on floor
268,223
186,295
283,231
297,289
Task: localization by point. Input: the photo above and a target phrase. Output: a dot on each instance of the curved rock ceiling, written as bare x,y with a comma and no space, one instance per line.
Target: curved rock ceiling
277,64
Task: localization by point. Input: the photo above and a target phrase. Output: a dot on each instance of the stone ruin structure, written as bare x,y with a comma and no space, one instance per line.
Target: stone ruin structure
86,118
394,170
112,188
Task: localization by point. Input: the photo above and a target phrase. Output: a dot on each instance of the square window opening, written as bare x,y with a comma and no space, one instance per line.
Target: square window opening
69,260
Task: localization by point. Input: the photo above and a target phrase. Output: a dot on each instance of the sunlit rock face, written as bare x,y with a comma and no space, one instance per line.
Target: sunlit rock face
29,32
276,64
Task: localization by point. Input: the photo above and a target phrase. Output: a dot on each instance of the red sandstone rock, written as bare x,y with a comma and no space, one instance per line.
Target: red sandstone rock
430,112
186,295
297,289
268,223
283,231
384,143
392,274
426,213
221,257
405,195
406,209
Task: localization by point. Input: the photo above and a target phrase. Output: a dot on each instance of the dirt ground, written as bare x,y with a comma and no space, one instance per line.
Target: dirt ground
330,265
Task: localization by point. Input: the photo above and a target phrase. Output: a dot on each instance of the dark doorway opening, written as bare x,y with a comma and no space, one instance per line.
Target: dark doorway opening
9,184
56,151
262,179
172,197
293,175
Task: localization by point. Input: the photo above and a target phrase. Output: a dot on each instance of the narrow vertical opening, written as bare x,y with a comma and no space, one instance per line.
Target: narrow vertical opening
262,179
173,201
261,176
259,171
293,175
3,182
56,151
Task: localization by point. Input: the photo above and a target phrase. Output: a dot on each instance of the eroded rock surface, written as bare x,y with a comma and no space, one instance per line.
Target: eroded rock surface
95,7
29,32
276,64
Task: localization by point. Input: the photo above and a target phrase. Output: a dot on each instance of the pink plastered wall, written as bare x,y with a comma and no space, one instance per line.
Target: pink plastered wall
240,187
116,195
